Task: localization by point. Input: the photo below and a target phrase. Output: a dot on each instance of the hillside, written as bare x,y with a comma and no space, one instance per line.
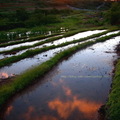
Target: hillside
59,4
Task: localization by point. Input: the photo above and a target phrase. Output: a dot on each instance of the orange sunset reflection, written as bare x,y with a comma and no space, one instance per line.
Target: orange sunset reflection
31,115
4,75
9,110
66,108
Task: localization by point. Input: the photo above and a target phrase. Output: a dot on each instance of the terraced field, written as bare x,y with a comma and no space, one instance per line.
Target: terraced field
22,64
43,47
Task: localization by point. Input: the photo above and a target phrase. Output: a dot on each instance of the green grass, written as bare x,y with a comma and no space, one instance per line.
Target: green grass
29,53
113,103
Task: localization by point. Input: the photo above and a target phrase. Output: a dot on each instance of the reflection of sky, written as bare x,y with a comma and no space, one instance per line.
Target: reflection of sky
28,63
64,109
65,98
4,75
76,36
57,42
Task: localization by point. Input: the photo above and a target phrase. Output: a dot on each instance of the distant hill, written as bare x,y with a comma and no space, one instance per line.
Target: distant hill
29,4
47,4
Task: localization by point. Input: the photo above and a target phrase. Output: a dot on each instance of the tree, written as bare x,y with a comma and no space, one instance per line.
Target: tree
113,14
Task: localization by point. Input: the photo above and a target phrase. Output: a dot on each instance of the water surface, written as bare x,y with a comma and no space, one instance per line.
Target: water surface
73,90
57,42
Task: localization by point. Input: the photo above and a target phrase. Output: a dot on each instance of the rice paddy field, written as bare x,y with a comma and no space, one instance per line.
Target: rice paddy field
62,72
61,66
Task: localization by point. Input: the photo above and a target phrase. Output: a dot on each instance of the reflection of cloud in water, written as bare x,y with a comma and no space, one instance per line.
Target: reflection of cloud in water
4,75
66,108
55,84
27,115
9,110
68,92
31,115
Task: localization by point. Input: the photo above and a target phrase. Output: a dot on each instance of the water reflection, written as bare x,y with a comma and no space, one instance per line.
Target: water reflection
66,108
57,42
4,75
9,110
30,115
69,98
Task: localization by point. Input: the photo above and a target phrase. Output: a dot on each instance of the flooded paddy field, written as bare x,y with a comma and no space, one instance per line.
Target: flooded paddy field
28,63
75,89
57,42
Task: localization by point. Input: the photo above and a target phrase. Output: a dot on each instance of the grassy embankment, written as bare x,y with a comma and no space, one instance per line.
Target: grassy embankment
25,79
113,103
29,53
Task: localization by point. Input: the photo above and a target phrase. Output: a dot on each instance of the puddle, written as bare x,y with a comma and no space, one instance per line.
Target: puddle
73,90
57,42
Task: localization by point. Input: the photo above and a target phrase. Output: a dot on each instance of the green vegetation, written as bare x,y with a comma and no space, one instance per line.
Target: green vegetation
113,103
14,25
113,14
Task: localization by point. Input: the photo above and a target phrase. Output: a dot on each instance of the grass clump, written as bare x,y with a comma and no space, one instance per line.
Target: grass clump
113,103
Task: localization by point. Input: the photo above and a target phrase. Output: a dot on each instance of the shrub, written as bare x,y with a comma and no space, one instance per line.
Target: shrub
113,14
